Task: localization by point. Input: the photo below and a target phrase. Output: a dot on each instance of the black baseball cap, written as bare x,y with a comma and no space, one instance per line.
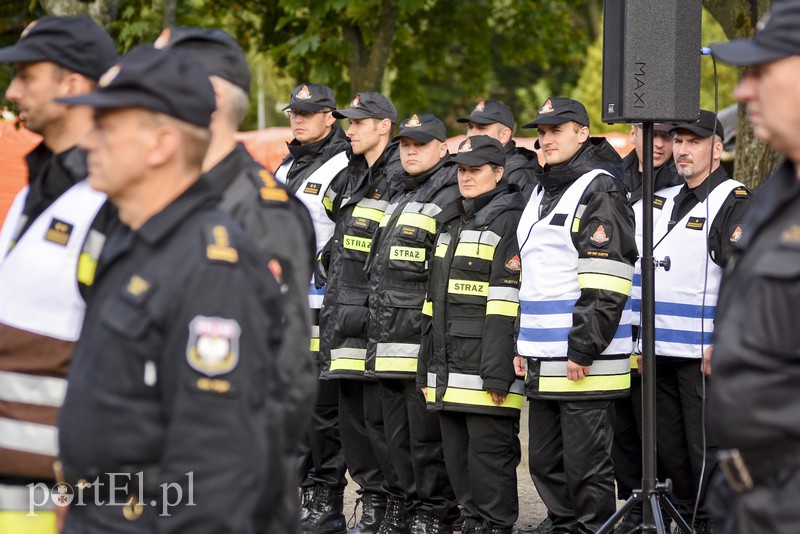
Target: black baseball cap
777,36
479,150
558,111
78,44
369,105
658,126
311,97
215,49
490,112
423,128
706,126
161,80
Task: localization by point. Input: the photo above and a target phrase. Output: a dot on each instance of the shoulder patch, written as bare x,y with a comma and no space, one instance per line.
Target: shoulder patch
736,235
658,202
514,265
271,190
312,188
59,232
601,235
213,346
696,223
741,192
219,248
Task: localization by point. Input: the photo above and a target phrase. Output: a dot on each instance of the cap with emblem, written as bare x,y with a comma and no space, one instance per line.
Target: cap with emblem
490,112
78,44
216,50
368,105
423,128
164,81
706,126
312,97
479,150
776,37
560,110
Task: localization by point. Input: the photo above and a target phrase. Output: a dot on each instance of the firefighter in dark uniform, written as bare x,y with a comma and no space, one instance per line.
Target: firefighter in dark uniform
466,366
317,155
399,264
171,379
492,118
754,401
577,249
276,221
356,202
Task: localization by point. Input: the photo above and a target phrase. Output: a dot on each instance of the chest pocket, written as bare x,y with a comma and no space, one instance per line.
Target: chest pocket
126,319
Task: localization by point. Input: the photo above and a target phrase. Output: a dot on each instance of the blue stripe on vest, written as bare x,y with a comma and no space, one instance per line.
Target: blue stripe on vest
550,307
636,305
312,290
549,335
687,337
637,279
691,311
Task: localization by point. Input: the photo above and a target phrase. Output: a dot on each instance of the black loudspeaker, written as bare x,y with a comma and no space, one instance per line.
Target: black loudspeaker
651,60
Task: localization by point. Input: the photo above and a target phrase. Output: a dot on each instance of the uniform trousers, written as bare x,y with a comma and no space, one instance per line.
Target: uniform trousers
627,449
482,453
570,461
322,458
415,447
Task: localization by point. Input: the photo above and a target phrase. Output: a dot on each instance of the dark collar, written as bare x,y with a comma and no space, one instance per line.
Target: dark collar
702,191
469,207
199,194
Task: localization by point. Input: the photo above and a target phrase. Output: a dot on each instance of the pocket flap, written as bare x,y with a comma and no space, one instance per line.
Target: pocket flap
125,318
466,328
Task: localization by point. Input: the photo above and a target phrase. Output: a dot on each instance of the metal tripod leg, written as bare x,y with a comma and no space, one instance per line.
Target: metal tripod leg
619,514
674,514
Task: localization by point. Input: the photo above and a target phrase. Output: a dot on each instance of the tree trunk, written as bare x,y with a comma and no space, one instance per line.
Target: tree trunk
368,62
104,12
754,160
168,10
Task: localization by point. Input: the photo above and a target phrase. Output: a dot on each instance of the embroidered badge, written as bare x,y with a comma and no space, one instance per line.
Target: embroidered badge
361,222
658,202
791,235
163,39
376,194
213,346
312,188
736,235
271,191
741,192
480,107
599,236
303,94
356,102
546,108
137,285
59,232
28,29
109,76
696,223
413,122
514,265
220,249
466,146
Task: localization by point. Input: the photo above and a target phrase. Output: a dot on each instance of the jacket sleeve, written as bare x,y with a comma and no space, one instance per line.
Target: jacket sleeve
502,308
728,226
607,251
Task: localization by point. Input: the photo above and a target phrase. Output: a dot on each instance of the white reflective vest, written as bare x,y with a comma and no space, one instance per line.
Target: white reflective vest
686,295
549,292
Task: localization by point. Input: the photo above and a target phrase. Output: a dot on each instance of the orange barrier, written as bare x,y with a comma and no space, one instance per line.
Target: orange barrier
14,144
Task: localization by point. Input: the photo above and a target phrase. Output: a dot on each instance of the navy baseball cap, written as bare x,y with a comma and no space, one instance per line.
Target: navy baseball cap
490,112
160,80
423,128
706,126
558,111
78,44
777,36
311,97
216,50
369,105
479,150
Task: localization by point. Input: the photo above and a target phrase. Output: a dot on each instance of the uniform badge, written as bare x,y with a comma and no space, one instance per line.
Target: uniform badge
271,191
741,192
213,346
658,202
546,108
220,249
163,39
696,223
28,29
466,146
736,235
413,122
361,222
514,265
599,237
312,188
356,102
377,194
59,232
137,286
480,107
108,76
791,235
303,94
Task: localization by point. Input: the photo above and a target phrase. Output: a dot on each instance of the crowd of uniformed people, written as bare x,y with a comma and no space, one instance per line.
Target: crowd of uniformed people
232,342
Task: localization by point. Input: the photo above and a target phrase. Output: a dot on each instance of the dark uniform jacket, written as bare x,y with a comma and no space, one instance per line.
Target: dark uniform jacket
308,158
520,168
402,250
358,200
664,176
471,331
597,313
756,334
173,372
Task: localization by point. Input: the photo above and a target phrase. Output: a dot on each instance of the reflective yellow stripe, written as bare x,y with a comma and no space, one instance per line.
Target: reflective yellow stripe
431,397
502,307
475,250
560,384
576,224
634,361
604,281
468,287
361,244
368,213
347,364
417,220
405,365
480,398
328,203
441,250
427,308
407,254
20,521
86,269
314,344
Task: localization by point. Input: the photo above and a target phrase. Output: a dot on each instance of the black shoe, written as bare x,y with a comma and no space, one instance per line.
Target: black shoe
632,522
396,521
372,515
426,523
472,526
306,500
545,527
496,530
326,516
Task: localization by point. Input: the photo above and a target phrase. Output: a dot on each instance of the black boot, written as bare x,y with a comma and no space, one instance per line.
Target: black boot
306,501
496,530
426,523
372,515
396,521
472,526
326,512
545,527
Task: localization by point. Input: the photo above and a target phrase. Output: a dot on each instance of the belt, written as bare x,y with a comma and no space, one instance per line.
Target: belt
745,469
124,480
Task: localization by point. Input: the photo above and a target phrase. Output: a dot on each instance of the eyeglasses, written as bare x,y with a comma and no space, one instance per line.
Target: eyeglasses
299,114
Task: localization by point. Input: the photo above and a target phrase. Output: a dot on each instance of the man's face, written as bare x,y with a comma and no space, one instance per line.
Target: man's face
363,134
772,94
692,155
33,89
560,142
494,130
417,157
662,145
309,127
118,145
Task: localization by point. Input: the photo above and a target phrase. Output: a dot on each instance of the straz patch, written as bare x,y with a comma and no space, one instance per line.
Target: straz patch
59,232
514,265
736,236
312,188
601,237
407,254
696,223
213,346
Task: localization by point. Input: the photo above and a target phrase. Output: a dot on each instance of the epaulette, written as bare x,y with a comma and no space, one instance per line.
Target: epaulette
741,192
218,245
271,189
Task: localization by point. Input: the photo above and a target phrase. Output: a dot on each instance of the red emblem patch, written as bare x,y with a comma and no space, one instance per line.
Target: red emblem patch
599,236
514,265
736,235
